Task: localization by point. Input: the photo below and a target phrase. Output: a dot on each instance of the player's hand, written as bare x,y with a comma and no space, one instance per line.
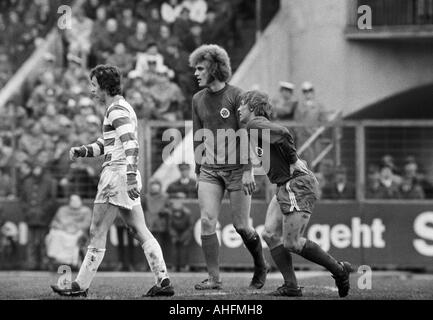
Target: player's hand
77,152
299,166
132,188
248,182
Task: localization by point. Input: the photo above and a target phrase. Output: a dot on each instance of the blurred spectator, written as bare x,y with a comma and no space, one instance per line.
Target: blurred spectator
121,59
388,161
143,8
340,188
165,38
170,10
5,69
390,189
151,56
311,114
51,122
104,42
79,35
176,59
6,153
5,184
8,244
91,8
197,10
127,24
154,21
220,28
182,25
33,141
411,171
81,179
139,41
72,75
38,198
185,187
46,92
285,105
157,211
374,188
193,39
181,228
170,101
144,106
410,189
69,233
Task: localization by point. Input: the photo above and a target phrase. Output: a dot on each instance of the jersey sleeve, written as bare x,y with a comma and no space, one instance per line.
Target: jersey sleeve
120,120
95,149
277,135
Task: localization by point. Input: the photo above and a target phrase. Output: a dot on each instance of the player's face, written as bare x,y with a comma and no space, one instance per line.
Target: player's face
202,74
96,91
244,112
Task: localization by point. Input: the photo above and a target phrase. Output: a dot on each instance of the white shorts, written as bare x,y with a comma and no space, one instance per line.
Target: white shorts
112,188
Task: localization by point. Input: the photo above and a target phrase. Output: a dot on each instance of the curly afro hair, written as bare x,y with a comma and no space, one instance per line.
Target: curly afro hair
218,59
258,102
109,79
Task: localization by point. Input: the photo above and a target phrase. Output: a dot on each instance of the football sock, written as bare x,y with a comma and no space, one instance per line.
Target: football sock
210,246
89,267
283,260
152,251
254,245
314,253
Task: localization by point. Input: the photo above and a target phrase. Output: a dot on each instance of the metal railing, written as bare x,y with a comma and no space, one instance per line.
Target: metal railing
354,145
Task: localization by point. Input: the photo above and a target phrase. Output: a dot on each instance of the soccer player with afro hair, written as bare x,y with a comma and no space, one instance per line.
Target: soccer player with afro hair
221,166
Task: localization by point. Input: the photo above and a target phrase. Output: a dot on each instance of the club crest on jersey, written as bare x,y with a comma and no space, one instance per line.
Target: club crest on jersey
259,152
225,113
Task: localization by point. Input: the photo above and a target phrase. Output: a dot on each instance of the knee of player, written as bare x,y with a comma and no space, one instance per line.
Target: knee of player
208,224
269,237
292,246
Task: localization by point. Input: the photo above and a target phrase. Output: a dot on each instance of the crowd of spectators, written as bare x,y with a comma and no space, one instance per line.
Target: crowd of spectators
23,24
150,42
387,181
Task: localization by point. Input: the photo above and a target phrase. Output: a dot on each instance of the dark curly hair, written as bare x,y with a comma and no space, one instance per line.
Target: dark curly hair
218,59
258,102
109,79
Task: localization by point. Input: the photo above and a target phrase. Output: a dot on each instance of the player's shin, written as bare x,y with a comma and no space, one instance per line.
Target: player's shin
210,247
283,260
254,245
314,253
89,267
155,258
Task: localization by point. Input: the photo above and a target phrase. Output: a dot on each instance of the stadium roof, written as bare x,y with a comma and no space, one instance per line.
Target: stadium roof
412,104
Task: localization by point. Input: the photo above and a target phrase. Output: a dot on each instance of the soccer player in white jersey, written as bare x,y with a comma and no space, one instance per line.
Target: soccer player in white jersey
119,187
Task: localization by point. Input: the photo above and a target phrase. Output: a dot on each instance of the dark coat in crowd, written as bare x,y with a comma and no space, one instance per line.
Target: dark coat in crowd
38,199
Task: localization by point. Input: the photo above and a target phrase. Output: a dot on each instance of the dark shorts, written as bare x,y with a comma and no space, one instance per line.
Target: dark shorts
298,194
228,180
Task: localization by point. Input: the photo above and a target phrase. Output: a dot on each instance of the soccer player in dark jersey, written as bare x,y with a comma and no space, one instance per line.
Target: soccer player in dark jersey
220,166
119,187
290,209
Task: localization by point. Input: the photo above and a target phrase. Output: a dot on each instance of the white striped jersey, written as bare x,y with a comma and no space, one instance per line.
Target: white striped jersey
119,143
